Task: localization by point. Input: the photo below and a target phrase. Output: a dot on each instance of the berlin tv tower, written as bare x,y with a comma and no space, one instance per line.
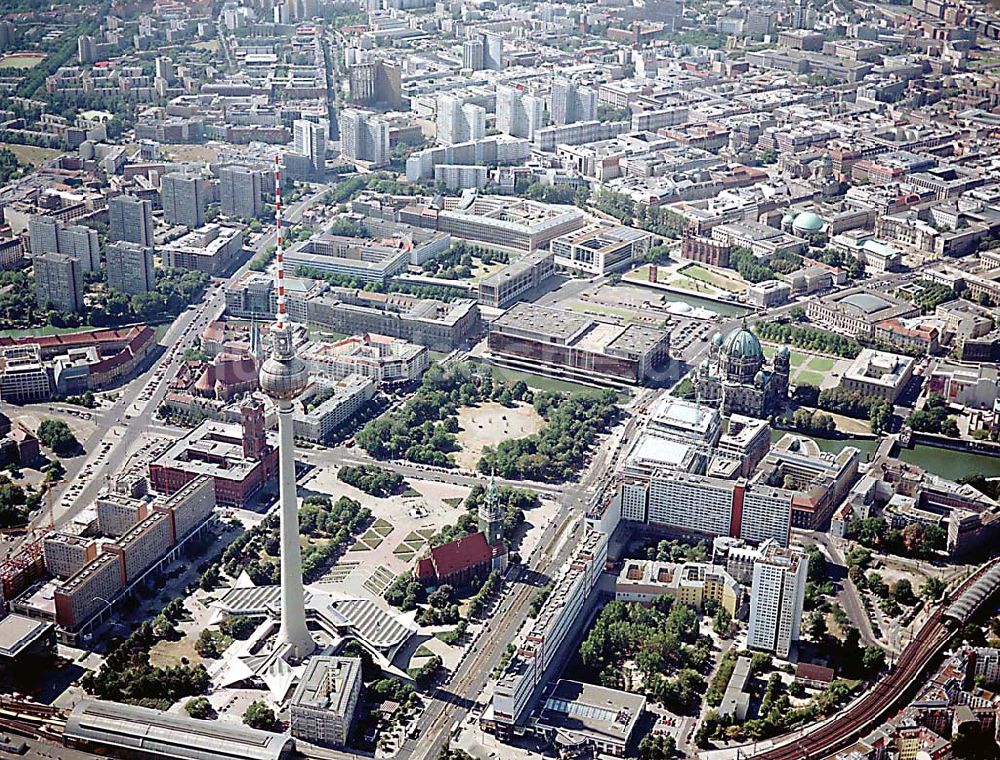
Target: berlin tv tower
283,377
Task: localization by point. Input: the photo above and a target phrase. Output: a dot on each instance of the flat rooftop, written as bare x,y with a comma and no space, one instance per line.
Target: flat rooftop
592,711
18,632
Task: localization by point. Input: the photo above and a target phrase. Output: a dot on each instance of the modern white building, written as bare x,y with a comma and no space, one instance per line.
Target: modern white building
776,599
600,248
518,113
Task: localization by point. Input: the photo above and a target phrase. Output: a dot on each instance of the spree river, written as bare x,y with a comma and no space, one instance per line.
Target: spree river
944,462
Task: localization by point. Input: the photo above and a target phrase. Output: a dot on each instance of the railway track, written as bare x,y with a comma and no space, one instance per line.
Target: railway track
884,697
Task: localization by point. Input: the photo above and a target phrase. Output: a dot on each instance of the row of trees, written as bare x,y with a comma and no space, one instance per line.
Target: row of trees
808,338
438,292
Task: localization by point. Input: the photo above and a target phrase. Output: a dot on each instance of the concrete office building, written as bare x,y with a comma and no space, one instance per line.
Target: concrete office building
505,287
58,282
499,222
213,248
184,199
459,122
351,257
518,113
385,360
322,707
130,268
364,136
600,248
23,376
776,598
309,140
572,102
130,219
241,191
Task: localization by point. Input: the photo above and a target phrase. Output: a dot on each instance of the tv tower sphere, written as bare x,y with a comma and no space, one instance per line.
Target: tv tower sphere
283,376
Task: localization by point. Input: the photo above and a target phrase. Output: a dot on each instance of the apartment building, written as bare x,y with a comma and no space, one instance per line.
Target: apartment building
130,219
540,640
776,599
142,546
184,199
58,282
518,113
130,267
241,191
65,554
349,396
88,591
118,513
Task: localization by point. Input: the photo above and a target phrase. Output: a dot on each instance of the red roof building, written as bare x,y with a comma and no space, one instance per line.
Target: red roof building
460,561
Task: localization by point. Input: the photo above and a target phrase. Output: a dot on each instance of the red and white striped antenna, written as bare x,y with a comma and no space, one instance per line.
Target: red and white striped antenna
280,250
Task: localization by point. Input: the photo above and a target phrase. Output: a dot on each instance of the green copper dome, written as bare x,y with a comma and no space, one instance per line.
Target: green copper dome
742,344
808,222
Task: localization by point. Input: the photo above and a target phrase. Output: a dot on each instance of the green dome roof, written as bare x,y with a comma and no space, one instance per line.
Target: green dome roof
807,221
743,344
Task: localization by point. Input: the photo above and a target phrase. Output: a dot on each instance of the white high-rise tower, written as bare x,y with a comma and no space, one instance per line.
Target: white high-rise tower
283,377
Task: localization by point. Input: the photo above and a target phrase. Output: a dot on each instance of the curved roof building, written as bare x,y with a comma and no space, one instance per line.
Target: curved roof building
155,734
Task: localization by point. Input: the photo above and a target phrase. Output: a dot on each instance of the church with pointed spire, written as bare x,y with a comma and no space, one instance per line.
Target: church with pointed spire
470,557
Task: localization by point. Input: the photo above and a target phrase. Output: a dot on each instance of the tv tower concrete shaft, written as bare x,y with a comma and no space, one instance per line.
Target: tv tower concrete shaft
283,377
293,633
